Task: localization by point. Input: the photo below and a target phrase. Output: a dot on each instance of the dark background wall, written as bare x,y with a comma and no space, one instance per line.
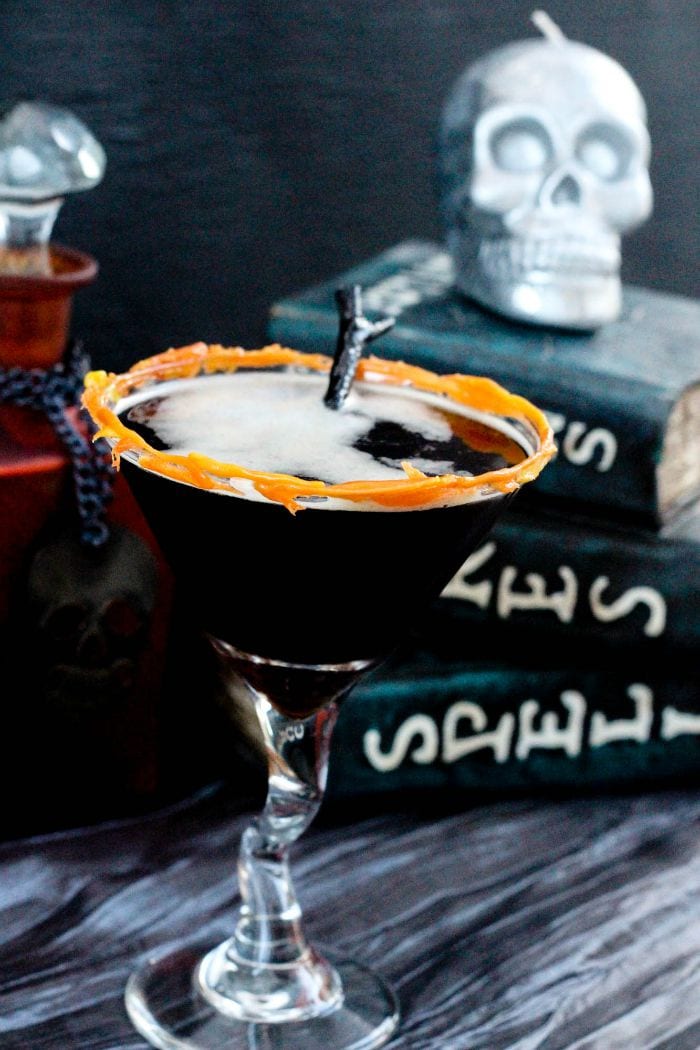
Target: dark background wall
255,147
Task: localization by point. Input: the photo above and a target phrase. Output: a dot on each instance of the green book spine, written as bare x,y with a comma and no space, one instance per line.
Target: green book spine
496,728
623,401
568,584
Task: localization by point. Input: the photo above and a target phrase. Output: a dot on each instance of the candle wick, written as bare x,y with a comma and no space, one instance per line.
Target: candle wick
355,331
547,27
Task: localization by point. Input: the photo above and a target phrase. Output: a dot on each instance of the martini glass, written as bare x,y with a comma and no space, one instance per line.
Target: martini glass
303,586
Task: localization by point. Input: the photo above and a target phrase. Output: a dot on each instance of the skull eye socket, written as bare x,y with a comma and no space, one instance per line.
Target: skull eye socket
121,619
65,624
605,150
521,145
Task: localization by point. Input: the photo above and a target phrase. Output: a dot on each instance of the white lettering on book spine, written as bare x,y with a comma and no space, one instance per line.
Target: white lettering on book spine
638,728
583,446
478,593
552,733
624,605
421,726
529,730
564,603
677,723
455,747
580,447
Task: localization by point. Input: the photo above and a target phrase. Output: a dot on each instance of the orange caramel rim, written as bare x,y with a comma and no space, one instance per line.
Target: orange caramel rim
103,392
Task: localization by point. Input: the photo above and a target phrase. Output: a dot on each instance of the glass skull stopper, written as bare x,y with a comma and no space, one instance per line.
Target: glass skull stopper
45,153
543,164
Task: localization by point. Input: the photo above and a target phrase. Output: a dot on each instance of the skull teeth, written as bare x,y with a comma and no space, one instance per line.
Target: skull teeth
513,258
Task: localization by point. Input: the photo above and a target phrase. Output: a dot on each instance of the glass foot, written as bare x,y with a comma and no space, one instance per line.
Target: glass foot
164,1004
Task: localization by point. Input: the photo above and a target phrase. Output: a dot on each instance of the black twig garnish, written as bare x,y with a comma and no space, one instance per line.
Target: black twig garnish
354,333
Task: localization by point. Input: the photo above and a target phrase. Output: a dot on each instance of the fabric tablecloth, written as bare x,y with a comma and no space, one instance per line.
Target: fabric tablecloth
526,925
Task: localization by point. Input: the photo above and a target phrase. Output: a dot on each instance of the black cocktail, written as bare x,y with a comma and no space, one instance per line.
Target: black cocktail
307,540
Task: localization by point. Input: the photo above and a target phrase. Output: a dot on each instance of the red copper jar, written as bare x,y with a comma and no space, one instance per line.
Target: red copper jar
35,308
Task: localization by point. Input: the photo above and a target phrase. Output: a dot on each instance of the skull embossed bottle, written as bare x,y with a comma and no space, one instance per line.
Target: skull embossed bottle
82,631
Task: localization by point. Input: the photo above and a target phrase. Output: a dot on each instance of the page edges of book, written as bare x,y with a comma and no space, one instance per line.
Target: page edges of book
678,471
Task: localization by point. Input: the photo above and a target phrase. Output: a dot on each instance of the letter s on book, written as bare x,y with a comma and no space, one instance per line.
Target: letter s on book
624,605
417,725
579,447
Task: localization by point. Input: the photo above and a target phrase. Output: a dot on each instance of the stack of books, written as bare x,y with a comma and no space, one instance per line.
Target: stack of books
564,654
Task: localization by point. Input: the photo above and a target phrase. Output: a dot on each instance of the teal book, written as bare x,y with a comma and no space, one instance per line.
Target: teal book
472,730
564,584
624,401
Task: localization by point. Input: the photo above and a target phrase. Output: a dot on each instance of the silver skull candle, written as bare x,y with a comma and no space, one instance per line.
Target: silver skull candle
543,161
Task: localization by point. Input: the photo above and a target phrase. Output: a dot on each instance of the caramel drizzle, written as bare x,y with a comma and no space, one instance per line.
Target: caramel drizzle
104,390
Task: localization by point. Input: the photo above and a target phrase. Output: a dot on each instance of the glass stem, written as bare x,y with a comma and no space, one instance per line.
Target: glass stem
269,929
267,971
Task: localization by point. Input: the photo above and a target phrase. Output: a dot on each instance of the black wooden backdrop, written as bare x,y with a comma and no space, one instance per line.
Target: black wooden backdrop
254,147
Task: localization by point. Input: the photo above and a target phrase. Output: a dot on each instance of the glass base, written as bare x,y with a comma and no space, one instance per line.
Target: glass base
165,1005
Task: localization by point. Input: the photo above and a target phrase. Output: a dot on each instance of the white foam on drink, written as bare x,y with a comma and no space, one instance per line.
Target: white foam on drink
277,421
